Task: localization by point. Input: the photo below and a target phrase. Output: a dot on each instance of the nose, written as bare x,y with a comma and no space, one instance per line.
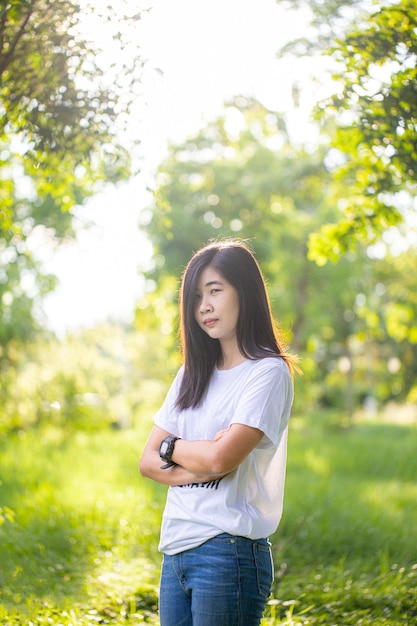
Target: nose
205,305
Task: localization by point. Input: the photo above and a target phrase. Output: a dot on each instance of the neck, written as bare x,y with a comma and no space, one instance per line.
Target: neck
230,357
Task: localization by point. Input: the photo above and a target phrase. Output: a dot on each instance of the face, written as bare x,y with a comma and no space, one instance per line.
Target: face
217,306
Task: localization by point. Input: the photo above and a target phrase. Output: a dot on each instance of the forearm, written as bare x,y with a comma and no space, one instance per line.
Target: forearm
202,457
219,456
198,461
150,467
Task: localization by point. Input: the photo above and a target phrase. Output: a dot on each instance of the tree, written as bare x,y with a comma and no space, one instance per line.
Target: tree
88,380
241,176
387,308
63,106
374,49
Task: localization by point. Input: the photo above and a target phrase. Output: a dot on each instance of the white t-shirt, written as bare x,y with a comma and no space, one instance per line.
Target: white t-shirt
248,501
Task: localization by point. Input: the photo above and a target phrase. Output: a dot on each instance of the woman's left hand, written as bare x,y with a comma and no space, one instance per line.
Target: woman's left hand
221,433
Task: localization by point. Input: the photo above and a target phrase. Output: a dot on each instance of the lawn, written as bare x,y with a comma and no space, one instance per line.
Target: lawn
79,528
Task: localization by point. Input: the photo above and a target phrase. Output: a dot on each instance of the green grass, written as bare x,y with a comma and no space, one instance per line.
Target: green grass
84,536
79,528
346,550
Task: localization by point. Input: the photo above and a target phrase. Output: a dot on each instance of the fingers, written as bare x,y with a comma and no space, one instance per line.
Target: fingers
221,433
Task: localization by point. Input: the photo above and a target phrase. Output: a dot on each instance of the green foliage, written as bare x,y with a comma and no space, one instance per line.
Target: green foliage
63,108
374,50
90,380
242,176
55,97
156,321
239,176
380,82
79,528
387,311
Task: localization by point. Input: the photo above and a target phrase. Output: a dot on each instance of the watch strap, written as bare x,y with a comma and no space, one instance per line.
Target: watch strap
166,449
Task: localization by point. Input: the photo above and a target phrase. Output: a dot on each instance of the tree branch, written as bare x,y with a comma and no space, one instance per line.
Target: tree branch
6,57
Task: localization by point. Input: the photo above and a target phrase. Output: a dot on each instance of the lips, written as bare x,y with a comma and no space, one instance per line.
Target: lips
209,322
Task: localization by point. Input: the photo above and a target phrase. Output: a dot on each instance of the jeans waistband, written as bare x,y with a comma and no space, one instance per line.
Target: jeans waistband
261,540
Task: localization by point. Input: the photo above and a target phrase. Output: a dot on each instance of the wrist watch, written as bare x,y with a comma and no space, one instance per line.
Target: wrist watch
166,450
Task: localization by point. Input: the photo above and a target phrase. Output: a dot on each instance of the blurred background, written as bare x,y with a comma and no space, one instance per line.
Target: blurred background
134,135
130,135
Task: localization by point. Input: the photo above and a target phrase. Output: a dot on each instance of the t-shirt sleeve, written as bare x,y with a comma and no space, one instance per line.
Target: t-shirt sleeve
266,400
167,415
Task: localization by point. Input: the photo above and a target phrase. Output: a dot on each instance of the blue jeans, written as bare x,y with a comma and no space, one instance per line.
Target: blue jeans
224,582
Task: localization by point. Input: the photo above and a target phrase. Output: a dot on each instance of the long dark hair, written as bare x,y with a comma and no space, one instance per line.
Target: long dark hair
258,335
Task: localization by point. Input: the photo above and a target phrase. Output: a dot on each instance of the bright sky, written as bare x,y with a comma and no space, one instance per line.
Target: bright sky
207,51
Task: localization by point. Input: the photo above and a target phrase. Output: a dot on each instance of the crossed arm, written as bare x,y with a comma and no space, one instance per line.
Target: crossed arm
199,461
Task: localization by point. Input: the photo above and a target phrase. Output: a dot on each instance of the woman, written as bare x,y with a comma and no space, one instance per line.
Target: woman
219,442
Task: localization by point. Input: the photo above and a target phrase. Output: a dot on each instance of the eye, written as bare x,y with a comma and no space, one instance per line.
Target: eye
214,290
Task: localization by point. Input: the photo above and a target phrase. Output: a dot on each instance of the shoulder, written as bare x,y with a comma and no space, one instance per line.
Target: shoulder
179,375
176,382
270,371
274,364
